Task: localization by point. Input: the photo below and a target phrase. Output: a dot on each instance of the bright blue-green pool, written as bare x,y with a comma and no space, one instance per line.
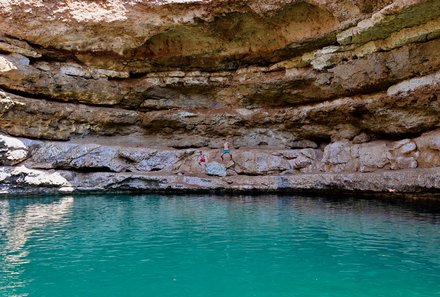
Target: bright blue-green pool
217,246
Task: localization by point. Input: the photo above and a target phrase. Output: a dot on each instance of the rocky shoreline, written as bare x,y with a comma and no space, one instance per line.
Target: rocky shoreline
48,167
421,183
314,95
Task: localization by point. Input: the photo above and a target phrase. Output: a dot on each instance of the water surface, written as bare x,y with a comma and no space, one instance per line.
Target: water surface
217,246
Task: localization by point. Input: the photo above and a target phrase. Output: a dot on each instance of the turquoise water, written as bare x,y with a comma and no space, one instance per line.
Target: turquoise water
217,246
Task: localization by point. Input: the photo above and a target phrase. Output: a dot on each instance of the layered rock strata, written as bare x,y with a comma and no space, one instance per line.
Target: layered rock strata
408,165
313,94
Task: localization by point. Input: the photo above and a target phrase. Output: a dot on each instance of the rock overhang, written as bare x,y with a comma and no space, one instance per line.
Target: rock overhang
328,78
196,34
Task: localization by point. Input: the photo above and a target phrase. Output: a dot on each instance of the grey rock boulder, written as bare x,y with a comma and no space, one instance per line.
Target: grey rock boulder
259,163
216,169
12,150
19,180
88,157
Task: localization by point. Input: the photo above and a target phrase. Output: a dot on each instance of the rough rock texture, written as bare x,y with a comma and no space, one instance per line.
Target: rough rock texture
24,181
396,166
325,94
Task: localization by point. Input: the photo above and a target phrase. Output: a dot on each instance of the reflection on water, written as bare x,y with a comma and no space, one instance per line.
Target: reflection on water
218,246
16,227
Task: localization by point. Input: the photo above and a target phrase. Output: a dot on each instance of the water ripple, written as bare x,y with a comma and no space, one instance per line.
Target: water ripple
216,246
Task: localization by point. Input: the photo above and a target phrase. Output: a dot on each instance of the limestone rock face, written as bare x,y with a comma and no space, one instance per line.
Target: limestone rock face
113,88
12,150
340,156
216,169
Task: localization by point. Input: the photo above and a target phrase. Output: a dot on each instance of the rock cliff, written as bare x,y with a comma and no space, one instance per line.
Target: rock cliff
121,95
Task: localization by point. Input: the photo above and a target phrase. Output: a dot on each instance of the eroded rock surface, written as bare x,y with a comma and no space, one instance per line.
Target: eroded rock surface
156,168
133,88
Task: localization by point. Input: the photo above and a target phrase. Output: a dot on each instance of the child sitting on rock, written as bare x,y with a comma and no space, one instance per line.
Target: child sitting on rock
203,160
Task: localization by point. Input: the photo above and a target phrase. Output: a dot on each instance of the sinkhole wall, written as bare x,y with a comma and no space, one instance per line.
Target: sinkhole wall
313,95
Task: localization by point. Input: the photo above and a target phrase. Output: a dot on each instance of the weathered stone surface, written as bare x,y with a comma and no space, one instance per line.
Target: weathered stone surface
253,86
73,156
411,112
361,138
20,180
49,120
257,163
216,169
389,20
134,168
93,157
199,29
429,147
145,160
338,156
136,88
12,150
373,156
341,156
301,162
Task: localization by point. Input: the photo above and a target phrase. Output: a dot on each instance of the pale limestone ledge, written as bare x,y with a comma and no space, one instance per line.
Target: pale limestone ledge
389,19
143,156
19,181
414,84
332,55
408,165
10,48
